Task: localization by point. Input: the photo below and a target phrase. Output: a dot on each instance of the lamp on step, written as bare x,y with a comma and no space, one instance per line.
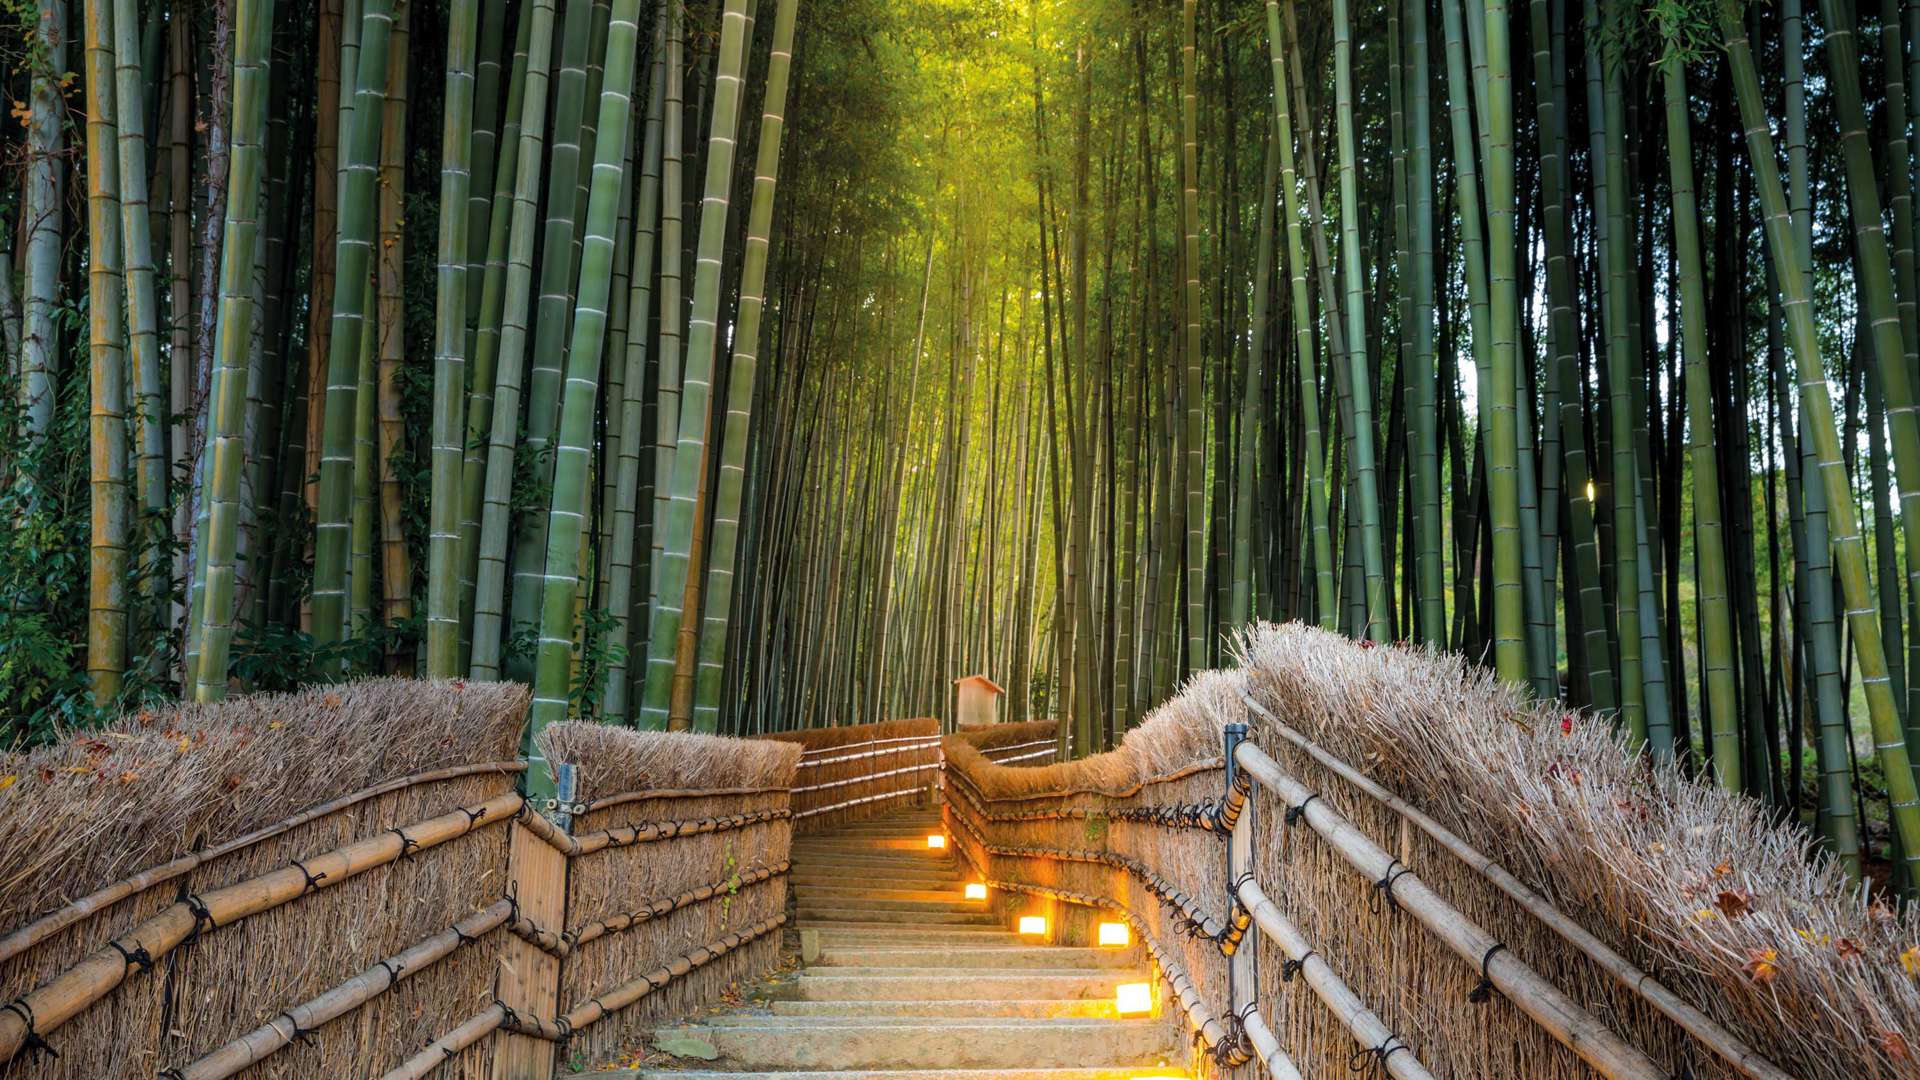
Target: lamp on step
976,890
1115,934
1033,925
936,842
1133,998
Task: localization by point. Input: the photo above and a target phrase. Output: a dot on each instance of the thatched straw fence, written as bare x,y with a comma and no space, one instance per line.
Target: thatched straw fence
860,770
345,882
1031,744
1504,891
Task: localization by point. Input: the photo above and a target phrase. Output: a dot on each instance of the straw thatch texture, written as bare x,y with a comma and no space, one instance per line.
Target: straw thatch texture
861,770
159,785
1688,882
1031,744
671,768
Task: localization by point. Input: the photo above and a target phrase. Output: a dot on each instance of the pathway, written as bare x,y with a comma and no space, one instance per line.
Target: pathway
909,980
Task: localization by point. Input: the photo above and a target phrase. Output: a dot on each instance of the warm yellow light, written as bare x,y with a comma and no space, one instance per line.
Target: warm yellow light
1033,924
1589,491
976,891
1155,1076
936,841
1114,933
1133,998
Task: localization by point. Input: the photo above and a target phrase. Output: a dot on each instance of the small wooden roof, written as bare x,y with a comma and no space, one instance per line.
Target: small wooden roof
980,680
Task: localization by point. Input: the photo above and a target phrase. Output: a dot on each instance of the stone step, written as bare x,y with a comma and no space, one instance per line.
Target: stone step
917,935
855,923
816,912
899,1075
872,902
853,862
1085,1008
952,984
776,1042
890,1074
904,877
872,843
1007,957
951,894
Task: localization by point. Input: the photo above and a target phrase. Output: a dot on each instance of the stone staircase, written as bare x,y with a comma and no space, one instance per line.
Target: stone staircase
908,980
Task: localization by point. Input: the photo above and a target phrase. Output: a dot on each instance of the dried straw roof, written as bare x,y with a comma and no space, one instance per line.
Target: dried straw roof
96,807
614,760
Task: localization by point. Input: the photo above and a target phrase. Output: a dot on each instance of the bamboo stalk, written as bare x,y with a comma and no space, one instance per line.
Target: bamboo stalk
1557,1014
446,1047
79,987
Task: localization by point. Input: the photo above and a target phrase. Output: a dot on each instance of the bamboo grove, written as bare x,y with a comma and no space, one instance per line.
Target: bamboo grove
753,364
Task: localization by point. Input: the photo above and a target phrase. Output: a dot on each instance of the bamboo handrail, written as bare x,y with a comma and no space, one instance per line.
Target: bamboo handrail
868,778
1367,1027
608,801
858,801
446,1047
562,944
268,1039
1558,1015
33,1016
649,832
99,900
1728,1046
1181,773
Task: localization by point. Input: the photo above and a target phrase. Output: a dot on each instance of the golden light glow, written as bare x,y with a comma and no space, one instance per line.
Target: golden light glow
1035,925
1133,998
1155,1076
1589,491
936,841
976,891
1115,933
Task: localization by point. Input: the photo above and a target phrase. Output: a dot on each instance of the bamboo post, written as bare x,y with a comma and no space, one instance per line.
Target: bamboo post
1243,991
529,977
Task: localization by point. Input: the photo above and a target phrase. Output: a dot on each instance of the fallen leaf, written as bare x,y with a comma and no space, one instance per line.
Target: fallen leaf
1762,966
8,781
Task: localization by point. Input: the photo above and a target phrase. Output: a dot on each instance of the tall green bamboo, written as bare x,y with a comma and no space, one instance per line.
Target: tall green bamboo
136,226
1510,641
449,344
42,214
490,578
353,255
1251,379
728,494
487,337
1848,549
1429,571
554,309
674,629
253,37
616,692
1715,616
107,416
1321,534
1360,380
666,409
553,679
1193,449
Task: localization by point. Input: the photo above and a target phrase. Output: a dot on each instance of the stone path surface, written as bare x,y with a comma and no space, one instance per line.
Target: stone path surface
909,980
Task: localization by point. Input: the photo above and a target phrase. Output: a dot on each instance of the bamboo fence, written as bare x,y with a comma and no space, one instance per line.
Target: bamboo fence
1304,923
860,770
1032,744
391,919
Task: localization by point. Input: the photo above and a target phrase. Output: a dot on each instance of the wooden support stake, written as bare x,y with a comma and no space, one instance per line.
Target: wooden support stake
529,979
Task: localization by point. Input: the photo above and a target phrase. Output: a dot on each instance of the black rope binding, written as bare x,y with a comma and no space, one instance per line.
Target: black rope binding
408,845
393,971
313,879
1295,813
1290,968
35,1043
300,1034
1384,887
1376,1056
202,918
474,816
464,937
1482,991
134,957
